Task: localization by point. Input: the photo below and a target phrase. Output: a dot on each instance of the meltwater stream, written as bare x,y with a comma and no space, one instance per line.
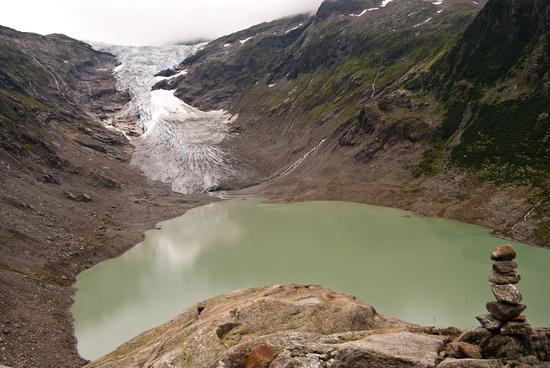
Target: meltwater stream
179,144
422,270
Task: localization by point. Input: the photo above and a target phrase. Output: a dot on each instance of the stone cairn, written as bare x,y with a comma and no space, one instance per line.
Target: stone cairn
505,314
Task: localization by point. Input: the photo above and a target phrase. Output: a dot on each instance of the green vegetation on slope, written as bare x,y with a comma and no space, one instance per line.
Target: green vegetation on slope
340,62
496,71
511,138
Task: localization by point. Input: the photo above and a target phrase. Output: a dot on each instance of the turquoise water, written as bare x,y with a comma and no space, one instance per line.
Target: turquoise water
422,270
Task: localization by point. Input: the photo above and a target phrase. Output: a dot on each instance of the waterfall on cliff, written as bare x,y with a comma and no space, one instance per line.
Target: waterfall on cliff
179,144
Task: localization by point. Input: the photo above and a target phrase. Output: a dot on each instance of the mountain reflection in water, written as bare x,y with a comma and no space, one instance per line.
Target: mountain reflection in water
422,270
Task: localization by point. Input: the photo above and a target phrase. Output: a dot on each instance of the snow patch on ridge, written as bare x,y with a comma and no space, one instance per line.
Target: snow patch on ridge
363,12
301,159
158,79
246,39
360,14
292,29
424,22
118,68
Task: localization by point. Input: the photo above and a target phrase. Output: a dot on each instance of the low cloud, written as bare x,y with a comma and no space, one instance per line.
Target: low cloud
143,22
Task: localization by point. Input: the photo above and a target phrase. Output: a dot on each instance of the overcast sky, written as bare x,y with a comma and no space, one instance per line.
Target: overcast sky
145,22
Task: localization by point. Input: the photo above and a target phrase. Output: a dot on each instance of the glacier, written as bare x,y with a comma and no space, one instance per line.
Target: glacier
178,143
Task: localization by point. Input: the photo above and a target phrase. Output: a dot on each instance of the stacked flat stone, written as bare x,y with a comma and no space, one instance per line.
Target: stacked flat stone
505,317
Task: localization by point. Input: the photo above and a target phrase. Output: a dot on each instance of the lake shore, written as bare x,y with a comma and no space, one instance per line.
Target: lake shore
83,220
222,247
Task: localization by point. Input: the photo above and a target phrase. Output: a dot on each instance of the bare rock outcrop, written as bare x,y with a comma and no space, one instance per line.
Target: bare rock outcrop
282,326
312,326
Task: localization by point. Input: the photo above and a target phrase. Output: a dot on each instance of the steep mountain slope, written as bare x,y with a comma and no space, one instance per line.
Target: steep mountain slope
494,83
68,196
344,44
365,102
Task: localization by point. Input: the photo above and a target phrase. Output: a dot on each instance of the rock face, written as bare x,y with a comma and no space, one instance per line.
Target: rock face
531,345
312,326
281,326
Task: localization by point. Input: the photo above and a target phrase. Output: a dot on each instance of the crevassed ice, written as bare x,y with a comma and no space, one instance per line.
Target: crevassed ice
179,144
136,73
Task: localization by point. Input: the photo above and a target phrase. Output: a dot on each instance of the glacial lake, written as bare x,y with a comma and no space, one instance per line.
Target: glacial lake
422,270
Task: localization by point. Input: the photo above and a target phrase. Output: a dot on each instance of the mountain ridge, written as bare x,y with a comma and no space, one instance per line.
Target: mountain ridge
68,197
388,67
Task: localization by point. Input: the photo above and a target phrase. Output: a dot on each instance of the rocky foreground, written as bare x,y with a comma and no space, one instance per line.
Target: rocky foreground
313,326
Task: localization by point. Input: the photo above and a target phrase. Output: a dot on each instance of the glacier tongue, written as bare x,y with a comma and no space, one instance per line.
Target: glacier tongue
179,144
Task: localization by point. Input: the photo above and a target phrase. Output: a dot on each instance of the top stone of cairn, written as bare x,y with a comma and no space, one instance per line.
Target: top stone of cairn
503,253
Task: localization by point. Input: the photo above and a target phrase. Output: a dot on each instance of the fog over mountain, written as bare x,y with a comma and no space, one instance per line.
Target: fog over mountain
142,22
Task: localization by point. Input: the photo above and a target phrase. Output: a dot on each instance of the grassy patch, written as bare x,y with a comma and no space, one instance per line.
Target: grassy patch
428,166
99,240
452,119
